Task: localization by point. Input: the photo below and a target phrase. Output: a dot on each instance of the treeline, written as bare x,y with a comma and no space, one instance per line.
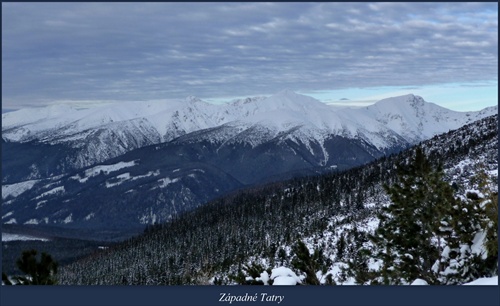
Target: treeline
220,237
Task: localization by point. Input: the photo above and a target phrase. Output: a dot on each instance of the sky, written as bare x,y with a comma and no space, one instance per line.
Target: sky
339,53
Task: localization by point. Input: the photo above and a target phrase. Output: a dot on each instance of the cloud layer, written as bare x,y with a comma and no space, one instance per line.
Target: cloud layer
141,51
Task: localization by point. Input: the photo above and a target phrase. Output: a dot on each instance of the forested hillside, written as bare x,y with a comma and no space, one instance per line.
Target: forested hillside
256,230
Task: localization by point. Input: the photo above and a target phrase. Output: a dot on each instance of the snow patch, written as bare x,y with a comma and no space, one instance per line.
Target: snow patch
149,218
118,180
16,189
7,215
150,173
40,204
478,244
31,221
68,219
59,189
167,181
105,169
15,237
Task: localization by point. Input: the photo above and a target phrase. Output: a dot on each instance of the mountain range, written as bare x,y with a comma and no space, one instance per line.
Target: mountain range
128,164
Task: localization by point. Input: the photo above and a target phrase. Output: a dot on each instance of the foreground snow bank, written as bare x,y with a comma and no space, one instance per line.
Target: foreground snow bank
485,281
284,277
419,282
281,276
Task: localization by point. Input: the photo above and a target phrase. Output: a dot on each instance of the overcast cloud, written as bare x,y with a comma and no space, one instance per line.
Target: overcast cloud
142,51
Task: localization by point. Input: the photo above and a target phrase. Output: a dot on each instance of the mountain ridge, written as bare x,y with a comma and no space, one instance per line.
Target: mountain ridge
164,120
16,126
48,181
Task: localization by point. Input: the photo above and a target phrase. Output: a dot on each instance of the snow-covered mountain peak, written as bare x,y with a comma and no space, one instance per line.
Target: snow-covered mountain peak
35,114
284,111
281,111
290,100
248,100
290,95
403,106
285,100
286,92
409,99
193,99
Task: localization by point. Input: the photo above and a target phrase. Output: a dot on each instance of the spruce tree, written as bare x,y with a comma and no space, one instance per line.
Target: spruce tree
475,222
37,273
357,268
491,225
490,216
470,219
487,203
410,235
310,265
341,246
460,227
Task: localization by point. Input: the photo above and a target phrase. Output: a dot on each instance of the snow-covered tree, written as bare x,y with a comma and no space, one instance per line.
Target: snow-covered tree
36,272
429,233
410,238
